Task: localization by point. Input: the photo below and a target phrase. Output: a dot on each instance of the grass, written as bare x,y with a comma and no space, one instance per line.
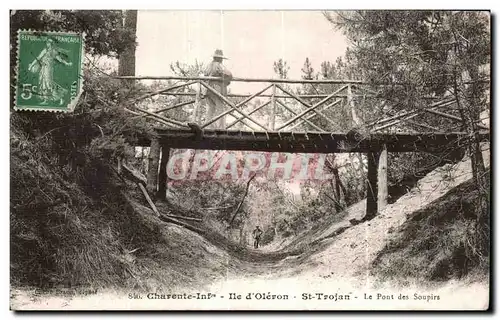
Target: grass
435,243
71,225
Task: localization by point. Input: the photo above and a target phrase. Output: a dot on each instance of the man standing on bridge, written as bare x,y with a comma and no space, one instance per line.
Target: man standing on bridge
215,104
257,233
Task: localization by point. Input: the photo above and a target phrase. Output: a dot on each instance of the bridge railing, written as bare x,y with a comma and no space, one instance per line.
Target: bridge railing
275,90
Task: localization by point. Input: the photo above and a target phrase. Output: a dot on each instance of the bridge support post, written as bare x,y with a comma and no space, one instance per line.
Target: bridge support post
162,177
372,186
383,192
272,116
153,159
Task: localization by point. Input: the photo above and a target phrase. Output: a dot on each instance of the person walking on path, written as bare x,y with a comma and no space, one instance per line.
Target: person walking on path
257,233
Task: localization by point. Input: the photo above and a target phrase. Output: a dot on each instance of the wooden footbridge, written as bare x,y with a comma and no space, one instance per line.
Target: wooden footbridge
308,128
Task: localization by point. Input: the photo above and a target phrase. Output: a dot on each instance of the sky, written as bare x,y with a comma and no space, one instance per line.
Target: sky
252,40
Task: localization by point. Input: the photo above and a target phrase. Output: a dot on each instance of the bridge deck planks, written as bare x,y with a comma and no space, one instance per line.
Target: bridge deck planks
310,142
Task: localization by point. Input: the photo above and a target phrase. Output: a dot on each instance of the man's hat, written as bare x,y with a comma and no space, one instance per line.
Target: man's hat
218,54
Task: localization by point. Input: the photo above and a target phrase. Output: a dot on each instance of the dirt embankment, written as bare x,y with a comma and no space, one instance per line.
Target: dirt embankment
335,253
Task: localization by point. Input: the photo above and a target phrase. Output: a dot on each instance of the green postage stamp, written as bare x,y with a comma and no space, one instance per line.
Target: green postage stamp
49,70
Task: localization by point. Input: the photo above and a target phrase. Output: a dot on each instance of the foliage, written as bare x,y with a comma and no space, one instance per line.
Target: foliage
281,68
104,31
188,70
69,217
416,55
224,196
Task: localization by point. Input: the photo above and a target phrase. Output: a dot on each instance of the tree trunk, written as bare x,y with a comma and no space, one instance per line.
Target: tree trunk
472,117
383,191
242,200
242,238
468,101
126,63
472,112
153,159
339,191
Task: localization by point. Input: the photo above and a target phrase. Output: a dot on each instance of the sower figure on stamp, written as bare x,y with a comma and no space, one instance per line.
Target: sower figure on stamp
45,65
257,233
214,103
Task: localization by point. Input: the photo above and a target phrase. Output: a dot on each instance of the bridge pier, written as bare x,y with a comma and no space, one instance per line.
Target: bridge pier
376,189
153,159
383,192
372,186
162,176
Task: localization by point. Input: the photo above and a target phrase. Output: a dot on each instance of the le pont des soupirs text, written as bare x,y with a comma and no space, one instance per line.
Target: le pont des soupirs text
415,296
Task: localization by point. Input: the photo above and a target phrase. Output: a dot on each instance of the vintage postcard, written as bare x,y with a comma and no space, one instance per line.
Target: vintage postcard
250,160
